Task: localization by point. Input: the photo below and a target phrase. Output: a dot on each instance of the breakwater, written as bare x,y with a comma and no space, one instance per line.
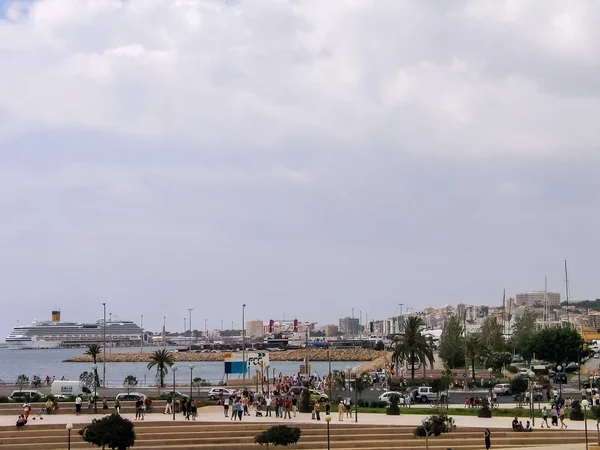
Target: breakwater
287,355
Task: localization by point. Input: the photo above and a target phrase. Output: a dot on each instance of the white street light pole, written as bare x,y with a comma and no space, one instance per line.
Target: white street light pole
244,343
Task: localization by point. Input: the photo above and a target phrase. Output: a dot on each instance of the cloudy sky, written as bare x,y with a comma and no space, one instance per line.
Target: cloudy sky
305,157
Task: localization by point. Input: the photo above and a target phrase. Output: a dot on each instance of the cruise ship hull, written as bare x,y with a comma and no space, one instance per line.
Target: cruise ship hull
48,335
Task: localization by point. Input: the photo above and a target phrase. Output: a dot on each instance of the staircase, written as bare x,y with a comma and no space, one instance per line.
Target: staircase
240,436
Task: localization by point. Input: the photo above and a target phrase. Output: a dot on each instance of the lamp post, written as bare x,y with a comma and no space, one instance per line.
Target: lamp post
559,369
585,404
104,347
94,368
174,369
531,375
191,381
328,419
69,428
244,344
490,370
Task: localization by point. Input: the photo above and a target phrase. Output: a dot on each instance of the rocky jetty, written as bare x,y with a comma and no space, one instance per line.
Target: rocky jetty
359,354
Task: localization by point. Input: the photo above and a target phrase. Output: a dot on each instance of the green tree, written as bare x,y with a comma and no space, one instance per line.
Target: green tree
523,332
362,382
559,345
518,386
452,343
476,350
279,435
22,381
129,383
94,351
113,431
162,360
492,336
412,344
497,360
87,379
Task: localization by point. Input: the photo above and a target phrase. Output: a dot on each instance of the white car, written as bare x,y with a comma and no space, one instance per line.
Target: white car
216,393
385,397
502,389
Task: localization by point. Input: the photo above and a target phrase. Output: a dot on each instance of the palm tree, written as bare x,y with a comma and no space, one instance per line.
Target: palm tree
162,359
412,343
94,351
475,349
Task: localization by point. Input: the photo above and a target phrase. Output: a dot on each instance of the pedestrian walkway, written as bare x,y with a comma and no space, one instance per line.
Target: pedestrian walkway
215,414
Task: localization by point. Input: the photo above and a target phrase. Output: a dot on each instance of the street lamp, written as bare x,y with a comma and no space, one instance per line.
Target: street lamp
244,344
490,370
328,419
174,369
191,380
559,369
531,375
69,428
585,404
94,368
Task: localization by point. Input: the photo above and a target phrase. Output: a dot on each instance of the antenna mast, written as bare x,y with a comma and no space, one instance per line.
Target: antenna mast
567,292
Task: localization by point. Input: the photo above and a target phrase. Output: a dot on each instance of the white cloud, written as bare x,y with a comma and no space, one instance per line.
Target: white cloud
211,71
308,150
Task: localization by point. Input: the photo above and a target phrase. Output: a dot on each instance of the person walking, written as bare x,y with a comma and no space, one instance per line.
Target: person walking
226,406
194,409
268,403
486,436
545,417
554,416
118,407
341,411
561,416
78,403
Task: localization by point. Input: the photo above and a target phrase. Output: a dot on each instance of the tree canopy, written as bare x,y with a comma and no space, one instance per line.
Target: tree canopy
492,336
476,350
112,431
162,359
452,343
523,332
559,345
412,343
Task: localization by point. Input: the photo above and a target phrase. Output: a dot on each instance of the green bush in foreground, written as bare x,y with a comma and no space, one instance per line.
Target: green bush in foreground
435,424
279,435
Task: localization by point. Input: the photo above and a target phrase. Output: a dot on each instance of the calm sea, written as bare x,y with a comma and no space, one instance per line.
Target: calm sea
50,362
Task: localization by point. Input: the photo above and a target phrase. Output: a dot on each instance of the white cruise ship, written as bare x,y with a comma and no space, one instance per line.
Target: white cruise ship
56,334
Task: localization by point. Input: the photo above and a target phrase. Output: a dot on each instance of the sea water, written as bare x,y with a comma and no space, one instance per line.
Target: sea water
50,362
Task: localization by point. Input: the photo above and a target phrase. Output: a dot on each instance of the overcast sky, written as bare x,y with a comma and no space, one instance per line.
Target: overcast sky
305,157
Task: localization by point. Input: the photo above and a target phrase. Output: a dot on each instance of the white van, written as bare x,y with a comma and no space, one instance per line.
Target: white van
68,388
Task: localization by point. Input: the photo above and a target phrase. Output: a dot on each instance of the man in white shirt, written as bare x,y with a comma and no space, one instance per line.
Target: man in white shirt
78,403
268,403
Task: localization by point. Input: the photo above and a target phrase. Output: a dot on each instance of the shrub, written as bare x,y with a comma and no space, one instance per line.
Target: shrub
4,399
304,401
393,409
576,411
362,403
518,385
378,404
512,369
279,435
436,424
484,410
112,431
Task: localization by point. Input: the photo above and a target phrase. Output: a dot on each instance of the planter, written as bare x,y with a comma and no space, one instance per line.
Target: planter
392,410
484,412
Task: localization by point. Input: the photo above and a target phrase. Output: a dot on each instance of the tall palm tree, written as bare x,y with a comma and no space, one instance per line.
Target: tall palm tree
475,349
162,359
94,350
412,343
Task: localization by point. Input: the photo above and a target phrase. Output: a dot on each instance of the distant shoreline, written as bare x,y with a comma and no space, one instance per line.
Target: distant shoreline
287,355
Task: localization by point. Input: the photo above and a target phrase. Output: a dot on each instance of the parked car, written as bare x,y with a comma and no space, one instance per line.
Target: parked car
425,394
167,394
572,367
385,397
126,396
25,394
502,389
216,393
